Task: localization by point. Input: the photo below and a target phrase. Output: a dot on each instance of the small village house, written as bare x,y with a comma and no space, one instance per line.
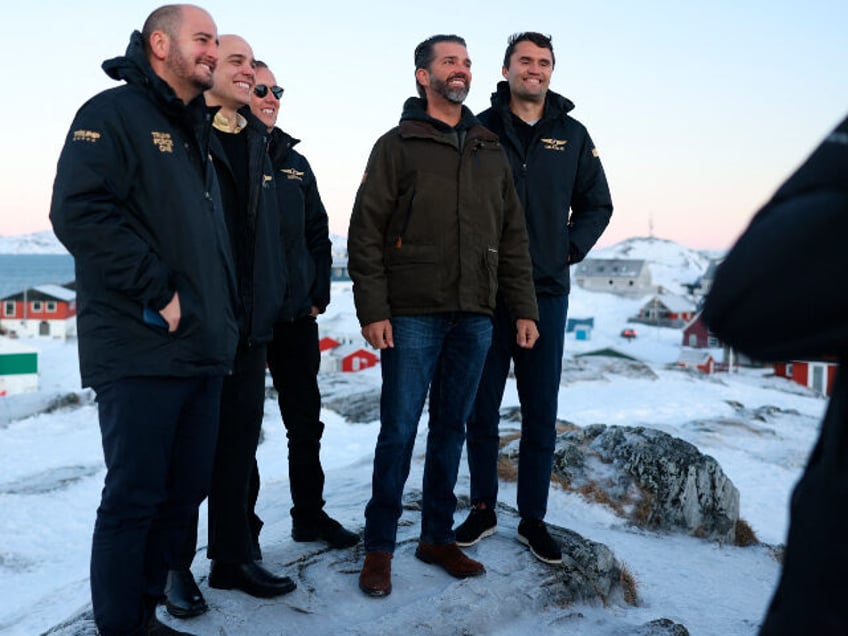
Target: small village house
43,310
666,310
814,374
626,277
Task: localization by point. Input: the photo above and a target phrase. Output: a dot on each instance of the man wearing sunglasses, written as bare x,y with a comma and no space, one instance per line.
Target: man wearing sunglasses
293,354
238,148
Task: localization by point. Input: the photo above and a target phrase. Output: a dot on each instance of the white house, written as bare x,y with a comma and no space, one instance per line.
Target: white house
18,367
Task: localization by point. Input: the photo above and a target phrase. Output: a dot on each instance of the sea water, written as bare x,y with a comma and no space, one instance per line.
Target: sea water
22,271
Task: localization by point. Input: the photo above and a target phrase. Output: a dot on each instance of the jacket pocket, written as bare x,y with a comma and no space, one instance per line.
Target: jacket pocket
414,276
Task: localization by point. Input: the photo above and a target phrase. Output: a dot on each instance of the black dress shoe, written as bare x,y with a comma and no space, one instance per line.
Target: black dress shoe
182,596
250,578
324,528
155,627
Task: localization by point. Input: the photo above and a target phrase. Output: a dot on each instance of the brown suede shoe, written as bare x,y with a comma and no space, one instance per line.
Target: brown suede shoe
451,558
376,576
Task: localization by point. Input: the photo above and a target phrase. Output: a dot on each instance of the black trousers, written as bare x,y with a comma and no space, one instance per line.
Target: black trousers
158,442
242,401
294,359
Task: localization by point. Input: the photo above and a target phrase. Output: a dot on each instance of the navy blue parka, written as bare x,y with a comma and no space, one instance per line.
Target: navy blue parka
137,203
561,184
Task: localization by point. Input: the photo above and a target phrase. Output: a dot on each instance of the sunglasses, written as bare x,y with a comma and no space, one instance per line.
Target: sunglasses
261,90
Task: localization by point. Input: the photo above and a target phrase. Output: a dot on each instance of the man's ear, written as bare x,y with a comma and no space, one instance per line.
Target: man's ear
159,44
505,72
422,76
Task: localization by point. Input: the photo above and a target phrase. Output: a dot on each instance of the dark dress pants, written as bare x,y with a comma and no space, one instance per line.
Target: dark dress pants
158,443
242,402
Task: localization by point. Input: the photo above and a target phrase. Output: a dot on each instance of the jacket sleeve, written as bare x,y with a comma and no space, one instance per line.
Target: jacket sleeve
591,203
372,209
515,269
89,208
777,295
317,239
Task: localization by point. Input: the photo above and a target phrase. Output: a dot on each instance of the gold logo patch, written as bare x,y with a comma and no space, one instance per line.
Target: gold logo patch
291,173
549,143
86,135
266,178
163,141
595,152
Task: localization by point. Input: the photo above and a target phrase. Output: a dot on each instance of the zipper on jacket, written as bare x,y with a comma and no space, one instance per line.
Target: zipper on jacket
399,239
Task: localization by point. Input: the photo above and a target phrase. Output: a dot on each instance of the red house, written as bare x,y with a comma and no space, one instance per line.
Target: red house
815,374
695,359
354,358
44,310
697,335
326,343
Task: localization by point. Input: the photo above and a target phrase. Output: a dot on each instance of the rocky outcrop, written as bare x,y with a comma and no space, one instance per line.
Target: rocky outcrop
655,480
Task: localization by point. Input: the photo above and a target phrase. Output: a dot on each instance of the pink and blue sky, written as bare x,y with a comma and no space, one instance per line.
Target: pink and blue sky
699,110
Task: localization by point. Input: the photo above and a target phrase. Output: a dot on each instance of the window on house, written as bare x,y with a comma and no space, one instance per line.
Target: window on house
693,340
51,306
9,308
712,341
36,306
789,370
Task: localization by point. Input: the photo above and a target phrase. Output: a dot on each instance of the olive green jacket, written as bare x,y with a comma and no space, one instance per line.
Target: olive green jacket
437,225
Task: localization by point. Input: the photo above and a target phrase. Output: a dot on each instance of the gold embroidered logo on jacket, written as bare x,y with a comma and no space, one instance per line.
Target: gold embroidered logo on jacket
291,173
86,135
549,143
163,141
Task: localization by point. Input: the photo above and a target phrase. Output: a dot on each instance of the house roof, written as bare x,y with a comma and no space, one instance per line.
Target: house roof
57,292
343,351
693,356
606,267
672,302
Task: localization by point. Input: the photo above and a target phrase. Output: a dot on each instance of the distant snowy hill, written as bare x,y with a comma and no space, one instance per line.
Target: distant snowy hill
36,243
672,265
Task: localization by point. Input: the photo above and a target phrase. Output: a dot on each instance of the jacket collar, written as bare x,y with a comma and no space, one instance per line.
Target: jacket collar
415,119
555,104
133,68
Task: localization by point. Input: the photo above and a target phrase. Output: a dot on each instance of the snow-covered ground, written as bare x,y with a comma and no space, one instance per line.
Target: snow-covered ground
51,474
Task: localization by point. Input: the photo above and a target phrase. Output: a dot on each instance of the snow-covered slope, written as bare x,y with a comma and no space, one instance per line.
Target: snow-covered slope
672,265
36,243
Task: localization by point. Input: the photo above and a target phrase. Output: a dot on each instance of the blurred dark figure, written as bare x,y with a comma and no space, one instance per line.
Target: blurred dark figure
778,296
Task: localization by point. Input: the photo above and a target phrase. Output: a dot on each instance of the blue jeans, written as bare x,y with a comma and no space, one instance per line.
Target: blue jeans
537,375
158,442
445,353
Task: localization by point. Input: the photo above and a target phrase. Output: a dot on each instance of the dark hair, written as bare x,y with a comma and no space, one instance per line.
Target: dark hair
539,39
167,19
260,64
424,54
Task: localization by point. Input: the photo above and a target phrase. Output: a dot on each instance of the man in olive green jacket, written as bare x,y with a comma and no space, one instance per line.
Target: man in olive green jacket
437,231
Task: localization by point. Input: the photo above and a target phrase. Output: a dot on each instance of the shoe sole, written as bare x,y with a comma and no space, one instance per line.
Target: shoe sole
375,593
524,541
176,612
255,594
488,532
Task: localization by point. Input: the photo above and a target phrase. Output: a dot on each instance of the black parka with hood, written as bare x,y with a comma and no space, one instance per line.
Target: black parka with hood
136,202
778,296
560,171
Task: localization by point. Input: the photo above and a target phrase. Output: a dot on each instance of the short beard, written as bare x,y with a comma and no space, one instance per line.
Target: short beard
453,95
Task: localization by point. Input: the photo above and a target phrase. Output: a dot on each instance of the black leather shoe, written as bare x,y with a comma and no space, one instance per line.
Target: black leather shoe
251,578
156,628
182,596
324,528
